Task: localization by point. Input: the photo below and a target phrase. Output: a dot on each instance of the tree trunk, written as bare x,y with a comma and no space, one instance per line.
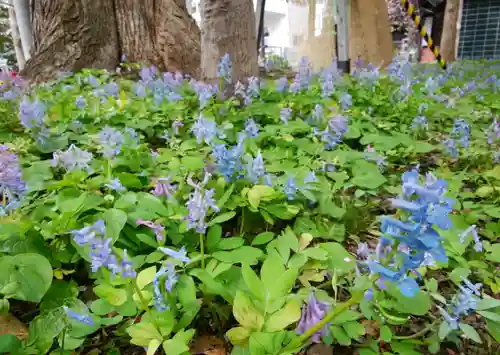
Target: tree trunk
16,39
228,26
22,10
71,35
370,32
449,35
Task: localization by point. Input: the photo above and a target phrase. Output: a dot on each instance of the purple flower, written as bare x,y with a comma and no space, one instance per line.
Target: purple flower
127,266
420,122
72,159
85,235
111,89
317,114
200,201
180,255
81,318
368,295
312,313
163,187
345,101
11,181
155,226
111,141
31,113
148,74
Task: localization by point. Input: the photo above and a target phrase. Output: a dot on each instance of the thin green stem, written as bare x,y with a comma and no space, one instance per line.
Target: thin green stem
62,341
391,254
417,334
144,303
109,170
202,250
300,341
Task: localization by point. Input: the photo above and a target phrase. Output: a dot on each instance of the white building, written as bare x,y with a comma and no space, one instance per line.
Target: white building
287,25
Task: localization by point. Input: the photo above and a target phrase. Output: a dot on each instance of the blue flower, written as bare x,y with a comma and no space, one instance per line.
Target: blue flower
180,255
81,318
450,146
463,304
255,169
228,161
80,103
332,135
171,277
72,159
285,114
111,89
304,75
140,90
420,122
101,253
251,128
345,101
461,132
253,89
407,285
204,130
111,141
200,201
317,114
31,113
290,189
282,84
115,185
158,299
147,74
176,125
478,246
225,68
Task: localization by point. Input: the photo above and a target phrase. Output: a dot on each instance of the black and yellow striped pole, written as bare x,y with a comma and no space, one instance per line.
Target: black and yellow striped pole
410,9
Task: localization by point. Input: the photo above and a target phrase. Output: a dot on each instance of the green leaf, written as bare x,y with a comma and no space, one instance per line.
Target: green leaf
230,243
490,315
315,253
493,253
354,330
142,333
253,282
271,269
128,200
282,211
470,332
145,277
222,218
153,345
212,286
246,313
385,334
340,258
214,235
115,296
101,307
260,193
9,344
346,316
244,255
444,330
115,221
263,238
186,291
341,336
418,305
238,335
284,317
26,277
192,163
487,303
367,175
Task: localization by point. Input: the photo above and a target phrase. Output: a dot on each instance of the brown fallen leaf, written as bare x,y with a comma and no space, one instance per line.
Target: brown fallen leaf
11,325
208,345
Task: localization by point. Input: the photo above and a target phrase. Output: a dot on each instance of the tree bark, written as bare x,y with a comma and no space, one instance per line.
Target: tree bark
449,35
370,32
22,10
228,26
71,35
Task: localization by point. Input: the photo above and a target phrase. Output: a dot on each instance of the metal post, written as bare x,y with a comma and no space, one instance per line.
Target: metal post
344,63
259,15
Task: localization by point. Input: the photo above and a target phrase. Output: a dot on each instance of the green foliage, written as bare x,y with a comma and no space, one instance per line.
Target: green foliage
274,245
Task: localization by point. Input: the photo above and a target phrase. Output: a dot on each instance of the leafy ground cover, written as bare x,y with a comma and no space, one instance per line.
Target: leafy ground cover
360,211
